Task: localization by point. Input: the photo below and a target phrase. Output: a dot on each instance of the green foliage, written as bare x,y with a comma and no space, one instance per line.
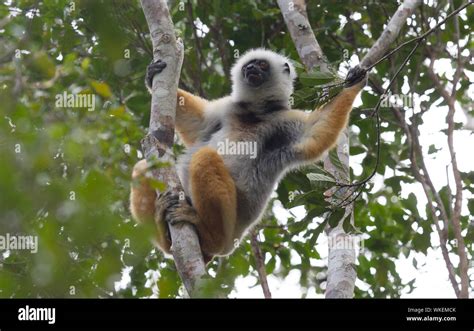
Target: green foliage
65,171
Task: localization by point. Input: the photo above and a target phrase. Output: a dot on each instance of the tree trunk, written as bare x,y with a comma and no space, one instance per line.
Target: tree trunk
159,141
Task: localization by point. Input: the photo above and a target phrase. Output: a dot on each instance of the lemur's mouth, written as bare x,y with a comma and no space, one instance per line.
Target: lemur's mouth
253,77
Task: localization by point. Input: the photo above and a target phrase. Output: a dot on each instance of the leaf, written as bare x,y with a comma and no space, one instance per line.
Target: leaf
337,162
421,242
102,89
432,149
320,178
270,266
446,198
298,65
336,216
168,283
395,183
316,211
318,75
315,78
117,111
411,204
316,232
415,263
356,150
85,63
157,185
297,227
347,225
43,65
470,206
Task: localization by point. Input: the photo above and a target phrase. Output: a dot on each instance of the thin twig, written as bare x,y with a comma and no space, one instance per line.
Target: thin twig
260,264
423,36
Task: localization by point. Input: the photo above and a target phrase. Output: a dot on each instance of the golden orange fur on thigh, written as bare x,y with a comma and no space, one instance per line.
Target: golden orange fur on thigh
214,198
142,195
142,205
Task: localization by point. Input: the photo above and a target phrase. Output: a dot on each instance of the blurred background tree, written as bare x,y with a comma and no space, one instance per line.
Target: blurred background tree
65,172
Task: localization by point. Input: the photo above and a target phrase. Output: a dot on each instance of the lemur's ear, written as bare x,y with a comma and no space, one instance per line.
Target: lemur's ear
287,68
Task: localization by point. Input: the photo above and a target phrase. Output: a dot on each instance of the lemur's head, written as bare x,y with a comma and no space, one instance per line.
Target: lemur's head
262,75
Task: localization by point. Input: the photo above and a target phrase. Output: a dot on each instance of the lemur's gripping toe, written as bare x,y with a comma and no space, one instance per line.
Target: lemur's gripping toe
175,210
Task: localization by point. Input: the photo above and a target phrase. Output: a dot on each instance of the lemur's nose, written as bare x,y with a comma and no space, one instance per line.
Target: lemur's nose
251,66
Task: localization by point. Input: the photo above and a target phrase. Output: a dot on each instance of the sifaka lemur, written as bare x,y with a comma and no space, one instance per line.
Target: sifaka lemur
227,192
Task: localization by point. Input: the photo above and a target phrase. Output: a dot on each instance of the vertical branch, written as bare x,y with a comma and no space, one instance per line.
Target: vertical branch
341,273
260,263
199,56
296,19
221,43
341,257
456,217
158,142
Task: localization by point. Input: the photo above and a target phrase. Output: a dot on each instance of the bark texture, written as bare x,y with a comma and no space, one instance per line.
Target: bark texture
390,33
159,141
296,19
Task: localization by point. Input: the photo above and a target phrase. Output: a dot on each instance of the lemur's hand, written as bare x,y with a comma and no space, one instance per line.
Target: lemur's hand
355,76
153,69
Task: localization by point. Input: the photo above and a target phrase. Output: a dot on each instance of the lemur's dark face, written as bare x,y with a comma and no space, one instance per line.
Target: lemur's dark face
256,72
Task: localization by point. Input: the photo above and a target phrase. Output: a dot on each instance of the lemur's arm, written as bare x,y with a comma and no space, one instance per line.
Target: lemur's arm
190,119
324,125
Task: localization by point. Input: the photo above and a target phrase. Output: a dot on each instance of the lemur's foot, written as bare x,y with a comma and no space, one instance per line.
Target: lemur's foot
355,75
153,69
174,210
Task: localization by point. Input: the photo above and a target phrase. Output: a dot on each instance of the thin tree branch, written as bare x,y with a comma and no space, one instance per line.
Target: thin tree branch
428,188
457,36
390,33
221,43
371,59
199,54
260,264
159,141
469,118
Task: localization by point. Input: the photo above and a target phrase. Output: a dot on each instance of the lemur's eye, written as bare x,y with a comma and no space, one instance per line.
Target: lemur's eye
263,65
